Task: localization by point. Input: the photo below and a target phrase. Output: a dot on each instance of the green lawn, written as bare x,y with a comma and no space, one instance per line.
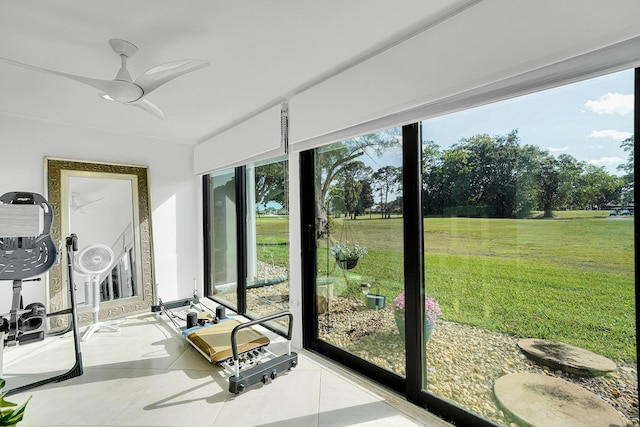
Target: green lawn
273,239
570,278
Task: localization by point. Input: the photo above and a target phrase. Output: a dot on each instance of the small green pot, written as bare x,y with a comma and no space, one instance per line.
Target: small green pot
375,301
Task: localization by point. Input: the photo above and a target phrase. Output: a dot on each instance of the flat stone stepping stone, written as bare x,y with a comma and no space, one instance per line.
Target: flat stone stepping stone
543,401
566,357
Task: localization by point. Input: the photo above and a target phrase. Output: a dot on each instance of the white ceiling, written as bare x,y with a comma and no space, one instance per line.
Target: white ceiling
260,51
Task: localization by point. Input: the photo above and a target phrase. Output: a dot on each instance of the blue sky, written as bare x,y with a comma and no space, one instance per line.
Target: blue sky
588,120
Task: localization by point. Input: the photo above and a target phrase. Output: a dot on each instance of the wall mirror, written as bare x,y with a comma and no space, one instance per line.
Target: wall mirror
107,207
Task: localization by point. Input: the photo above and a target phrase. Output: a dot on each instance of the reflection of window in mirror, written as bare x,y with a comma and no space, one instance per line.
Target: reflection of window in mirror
101,212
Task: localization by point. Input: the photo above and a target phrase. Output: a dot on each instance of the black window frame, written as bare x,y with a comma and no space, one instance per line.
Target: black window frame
411,386
241,239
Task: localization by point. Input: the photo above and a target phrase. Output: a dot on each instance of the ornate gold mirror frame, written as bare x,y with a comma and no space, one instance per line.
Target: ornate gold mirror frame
59,172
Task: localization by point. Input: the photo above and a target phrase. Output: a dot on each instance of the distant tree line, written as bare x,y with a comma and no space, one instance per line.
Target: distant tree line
490,176
500,177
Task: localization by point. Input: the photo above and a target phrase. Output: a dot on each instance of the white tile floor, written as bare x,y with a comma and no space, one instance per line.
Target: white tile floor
148,375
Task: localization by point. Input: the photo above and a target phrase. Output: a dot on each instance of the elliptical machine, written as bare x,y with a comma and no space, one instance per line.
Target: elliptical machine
26,251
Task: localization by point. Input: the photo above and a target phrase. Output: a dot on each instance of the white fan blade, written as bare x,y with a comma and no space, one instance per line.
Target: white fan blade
118,90
149,107
157,76
103,85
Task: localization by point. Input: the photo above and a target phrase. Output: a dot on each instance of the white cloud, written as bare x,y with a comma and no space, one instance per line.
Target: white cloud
611,103
611,133
552,149
606,161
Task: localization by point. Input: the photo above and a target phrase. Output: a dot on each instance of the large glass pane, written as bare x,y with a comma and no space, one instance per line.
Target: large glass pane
222,220
268,238
360,246
529,235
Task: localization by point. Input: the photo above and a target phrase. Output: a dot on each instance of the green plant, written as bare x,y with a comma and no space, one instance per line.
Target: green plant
10,413
346,251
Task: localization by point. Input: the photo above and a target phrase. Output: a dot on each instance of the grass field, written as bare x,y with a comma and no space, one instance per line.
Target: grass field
272,237
570,278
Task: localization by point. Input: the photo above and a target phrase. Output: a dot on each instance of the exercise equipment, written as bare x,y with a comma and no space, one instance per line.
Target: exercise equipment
237,347
26,251
94,260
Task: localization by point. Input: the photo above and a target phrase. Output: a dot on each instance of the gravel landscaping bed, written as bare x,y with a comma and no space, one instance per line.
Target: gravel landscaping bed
463,361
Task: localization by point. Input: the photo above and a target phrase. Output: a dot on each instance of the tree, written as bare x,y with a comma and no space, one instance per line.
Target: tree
495,172
526,180
431,178
558,181
499,177
331,160
454,182
270,183
387,179
548,182
353,174
366,197
597,187
482,176
628,167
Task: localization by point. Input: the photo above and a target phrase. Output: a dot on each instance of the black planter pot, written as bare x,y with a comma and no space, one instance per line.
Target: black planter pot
347,264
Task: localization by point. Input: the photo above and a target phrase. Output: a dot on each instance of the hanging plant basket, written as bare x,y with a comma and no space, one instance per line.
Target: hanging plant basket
347,255
347,264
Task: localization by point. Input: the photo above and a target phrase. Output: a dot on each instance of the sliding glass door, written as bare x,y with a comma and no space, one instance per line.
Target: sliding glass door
528,209
247,223
221,218
359,231
433,254
267,237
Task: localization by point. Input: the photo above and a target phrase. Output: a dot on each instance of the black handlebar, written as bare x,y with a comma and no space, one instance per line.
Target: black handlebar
72,241
234,343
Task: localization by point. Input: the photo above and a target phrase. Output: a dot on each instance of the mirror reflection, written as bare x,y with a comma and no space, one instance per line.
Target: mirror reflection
101,213
107,207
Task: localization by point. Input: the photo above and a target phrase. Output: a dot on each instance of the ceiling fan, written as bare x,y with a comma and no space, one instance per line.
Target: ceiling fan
123,88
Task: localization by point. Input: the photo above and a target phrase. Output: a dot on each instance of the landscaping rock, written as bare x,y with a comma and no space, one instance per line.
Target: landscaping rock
566,357
457,354
543,401
463,361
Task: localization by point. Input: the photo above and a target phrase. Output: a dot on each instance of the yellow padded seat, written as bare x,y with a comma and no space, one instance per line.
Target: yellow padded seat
214,341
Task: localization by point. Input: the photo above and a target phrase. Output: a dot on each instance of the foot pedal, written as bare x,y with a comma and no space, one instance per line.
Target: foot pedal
263,373
33,337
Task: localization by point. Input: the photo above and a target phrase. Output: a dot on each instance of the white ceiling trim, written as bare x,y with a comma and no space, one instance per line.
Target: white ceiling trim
374,51
617,57
255,139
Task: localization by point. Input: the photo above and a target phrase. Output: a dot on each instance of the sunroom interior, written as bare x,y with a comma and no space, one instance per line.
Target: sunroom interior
333,70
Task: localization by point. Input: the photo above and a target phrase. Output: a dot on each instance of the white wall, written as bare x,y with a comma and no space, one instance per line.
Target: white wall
24,144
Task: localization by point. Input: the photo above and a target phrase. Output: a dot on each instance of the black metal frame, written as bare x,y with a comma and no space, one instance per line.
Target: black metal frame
241,245
241,238
308,253
206,228
77,369
411,386
241,232
413,258
265,371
